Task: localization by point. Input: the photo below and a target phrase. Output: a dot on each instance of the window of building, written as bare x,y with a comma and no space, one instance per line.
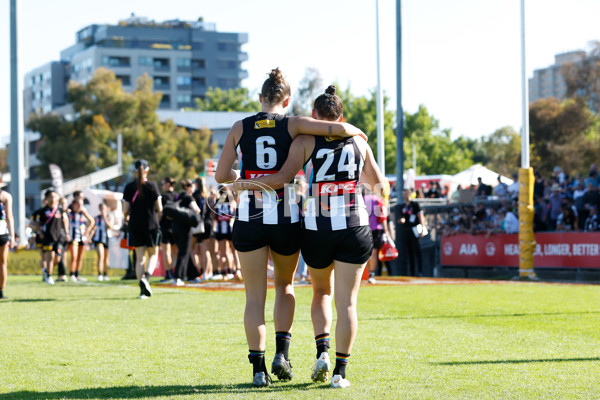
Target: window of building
198,63
161,64
142,60
183,81
114,61
226,83
226,64
227,46
198,82
198,46
165,101
184,100
161,82
184,62
125,80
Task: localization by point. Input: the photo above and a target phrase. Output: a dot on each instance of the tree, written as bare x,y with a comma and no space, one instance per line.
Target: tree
311,86
583,77
362,113
564,134
102,111
436,152
217,99
503,150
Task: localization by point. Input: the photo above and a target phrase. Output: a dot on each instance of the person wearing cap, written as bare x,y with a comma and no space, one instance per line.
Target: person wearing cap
141,207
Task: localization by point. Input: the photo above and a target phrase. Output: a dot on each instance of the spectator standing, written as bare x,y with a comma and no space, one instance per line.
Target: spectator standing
578,197
511,222
410,216
555,201
101,233
591,223
81,224
141,207
168,245
539,186
183,234
513,188
501,189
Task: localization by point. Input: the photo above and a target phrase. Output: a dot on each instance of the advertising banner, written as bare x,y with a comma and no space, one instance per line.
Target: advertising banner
561,250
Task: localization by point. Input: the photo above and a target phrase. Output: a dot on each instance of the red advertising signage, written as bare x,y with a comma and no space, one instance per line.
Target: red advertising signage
564,250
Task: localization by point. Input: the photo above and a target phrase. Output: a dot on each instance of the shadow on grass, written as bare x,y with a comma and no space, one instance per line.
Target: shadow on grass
541,360
136,392
26,300
509,315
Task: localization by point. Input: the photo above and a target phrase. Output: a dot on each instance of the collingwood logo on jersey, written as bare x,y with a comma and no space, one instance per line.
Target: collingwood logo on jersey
264,123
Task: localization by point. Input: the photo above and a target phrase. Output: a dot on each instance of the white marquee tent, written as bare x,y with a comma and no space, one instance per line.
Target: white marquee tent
469,176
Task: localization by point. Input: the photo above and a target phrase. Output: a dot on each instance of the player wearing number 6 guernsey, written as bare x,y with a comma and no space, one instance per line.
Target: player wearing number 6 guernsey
336,236
267,221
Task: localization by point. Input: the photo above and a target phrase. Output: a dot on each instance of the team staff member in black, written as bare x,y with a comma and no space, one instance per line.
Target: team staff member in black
53,223
411,215
183,233
202,242
337,237
168,244
141,207
7,236
267,222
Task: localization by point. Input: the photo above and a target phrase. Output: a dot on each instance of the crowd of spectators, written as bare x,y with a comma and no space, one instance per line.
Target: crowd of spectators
562,203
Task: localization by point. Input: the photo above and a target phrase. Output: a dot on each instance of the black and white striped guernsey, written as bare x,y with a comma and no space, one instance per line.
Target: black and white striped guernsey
334,200
262,150
101,234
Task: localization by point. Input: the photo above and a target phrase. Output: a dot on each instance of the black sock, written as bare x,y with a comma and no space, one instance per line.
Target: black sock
1,294
257,359
341,361
322,341
76,274
282,343
169,274
146,275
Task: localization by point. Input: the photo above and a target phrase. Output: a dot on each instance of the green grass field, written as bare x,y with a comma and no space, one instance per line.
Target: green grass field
477,341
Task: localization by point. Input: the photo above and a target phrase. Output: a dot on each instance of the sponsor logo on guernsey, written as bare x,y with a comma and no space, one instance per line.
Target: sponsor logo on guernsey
264,123
335,188
332,138
257,174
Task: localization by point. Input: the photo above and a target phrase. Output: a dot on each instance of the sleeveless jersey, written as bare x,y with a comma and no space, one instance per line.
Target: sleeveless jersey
224,218
263,149
77,226
3,223
101,234
335,200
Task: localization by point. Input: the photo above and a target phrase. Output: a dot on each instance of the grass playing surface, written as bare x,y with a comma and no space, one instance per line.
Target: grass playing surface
97,340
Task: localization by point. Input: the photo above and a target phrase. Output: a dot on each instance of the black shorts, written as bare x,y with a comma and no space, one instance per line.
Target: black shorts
352,245
4,239
223,236
149,238
283,239
167,237
57,247
97,244
377,238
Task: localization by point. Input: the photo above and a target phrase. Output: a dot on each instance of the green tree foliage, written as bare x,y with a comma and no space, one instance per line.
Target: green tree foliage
436,152
362,112
564,134
583,77
217,99
310,87
503,150
102,111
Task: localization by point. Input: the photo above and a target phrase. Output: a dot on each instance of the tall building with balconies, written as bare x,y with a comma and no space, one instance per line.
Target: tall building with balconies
183,59
549,82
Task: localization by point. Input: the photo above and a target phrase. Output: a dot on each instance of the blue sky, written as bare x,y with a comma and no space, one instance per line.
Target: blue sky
461,57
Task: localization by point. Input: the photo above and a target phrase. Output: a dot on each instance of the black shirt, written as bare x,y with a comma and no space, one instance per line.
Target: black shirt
142,206
51,221
410,213
166,224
